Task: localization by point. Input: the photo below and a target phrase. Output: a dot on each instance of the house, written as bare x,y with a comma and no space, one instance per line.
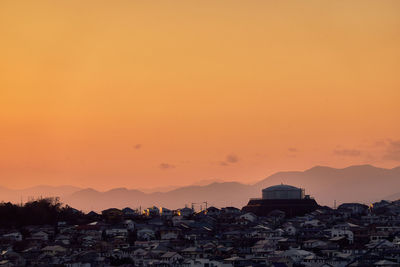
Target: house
62,239
146,234
354,208
171,257
113,232
313,243
11,258
14,236
290,229
212,211
231,210
205,262
152,212
169,233
128,224
297,255
112,213
54,250
185,212
249,216
166,212
128,211
156,221
43,236
378,236
344,229
312,223
385,263
313,260
263,248
192,253
235,261
280,261
86,259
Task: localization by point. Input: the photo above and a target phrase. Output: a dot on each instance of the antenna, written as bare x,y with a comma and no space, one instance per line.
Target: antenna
334,204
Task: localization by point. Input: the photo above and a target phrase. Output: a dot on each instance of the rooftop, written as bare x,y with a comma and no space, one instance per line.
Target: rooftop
281,187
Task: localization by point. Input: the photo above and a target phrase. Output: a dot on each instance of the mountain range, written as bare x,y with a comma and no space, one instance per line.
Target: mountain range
360,183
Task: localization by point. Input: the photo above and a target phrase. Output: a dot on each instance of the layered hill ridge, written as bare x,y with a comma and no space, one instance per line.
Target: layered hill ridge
360,183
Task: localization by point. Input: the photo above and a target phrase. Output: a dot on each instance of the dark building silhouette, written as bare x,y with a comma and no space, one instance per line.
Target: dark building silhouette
286,198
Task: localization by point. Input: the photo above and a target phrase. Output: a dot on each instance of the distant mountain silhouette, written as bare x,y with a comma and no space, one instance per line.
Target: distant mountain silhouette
362,183
158,189
208,181
218,194
16,195
173,187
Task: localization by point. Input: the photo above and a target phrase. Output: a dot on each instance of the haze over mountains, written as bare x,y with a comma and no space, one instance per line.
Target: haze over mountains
362,183
18,195
172,187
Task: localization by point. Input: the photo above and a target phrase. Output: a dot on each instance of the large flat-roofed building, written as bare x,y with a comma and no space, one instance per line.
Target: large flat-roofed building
282,191
289,199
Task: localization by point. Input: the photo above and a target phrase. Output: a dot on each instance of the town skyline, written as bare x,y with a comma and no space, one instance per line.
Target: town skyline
329,186
223,133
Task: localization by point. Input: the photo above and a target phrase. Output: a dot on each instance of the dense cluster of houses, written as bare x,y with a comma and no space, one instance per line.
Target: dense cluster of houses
351,235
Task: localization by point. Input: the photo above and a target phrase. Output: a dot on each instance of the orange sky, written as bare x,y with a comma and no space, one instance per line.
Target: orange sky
107,94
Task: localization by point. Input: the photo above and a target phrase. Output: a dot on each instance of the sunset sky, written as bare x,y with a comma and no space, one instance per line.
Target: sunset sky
140,94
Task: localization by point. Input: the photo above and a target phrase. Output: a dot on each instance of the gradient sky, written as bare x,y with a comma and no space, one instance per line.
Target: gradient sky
135,94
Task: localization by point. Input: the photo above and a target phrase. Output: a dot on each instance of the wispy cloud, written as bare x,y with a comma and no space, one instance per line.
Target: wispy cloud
232,158
380,143
392,151
347,152
166,166
229,159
